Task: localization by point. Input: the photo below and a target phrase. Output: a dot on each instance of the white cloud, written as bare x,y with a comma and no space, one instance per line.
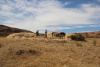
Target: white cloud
93,25
78,26
66,3
98,0
2,1
36,15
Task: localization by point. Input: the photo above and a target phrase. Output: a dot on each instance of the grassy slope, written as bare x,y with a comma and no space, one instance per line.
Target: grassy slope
49,53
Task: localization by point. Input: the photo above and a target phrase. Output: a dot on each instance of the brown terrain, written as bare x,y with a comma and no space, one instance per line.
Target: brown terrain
26,50
91,34
6,30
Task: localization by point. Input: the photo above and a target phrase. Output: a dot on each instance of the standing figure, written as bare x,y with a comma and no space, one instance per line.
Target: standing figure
45,35
52,34
37,33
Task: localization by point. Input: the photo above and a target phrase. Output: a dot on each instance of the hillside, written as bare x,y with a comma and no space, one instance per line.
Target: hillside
26,50
95,34
6,30
41,52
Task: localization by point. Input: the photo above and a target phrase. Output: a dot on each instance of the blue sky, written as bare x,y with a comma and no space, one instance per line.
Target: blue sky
68,16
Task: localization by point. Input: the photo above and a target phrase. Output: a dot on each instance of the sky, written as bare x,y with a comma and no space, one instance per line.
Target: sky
69,16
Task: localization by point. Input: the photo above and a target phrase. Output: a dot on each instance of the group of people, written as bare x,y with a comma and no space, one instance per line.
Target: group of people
45,35
61,34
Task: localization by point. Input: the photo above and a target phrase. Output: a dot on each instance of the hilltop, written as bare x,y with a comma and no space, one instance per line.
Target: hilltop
6,30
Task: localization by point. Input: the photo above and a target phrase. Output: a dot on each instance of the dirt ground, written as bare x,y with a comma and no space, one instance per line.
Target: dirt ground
41,52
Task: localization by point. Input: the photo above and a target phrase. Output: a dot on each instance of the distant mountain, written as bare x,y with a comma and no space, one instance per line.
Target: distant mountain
6,30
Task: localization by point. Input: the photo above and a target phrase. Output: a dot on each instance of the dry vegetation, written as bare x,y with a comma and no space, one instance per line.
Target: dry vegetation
42,52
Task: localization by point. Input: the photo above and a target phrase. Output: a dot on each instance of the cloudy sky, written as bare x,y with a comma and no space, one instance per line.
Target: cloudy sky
54,15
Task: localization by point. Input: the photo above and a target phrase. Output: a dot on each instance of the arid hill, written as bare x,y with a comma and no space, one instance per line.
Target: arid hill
26,50
46,52
95,34
6,30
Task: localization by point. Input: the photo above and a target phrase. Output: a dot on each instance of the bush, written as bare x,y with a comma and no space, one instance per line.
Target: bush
94,42
78,37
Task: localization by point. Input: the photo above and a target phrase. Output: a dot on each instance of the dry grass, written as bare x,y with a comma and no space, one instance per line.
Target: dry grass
40,52
94,42
79,44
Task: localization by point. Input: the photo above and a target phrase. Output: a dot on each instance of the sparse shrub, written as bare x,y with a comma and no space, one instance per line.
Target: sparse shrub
33,52
0,45
10,51
78,37
94,42
97,36
20,52
87,35
92,37
63,41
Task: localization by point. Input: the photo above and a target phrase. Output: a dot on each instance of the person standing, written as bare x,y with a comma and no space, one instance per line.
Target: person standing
45,35
37,33
52,34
